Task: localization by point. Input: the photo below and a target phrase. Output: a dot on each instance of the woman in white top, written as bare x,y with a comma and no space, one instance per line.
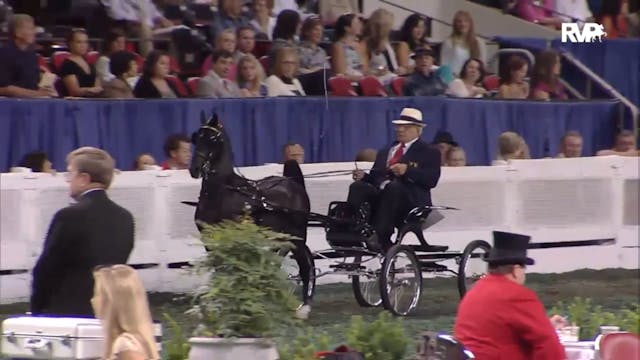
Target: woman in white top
113,42
382,59
262,20
283,81
511,146
462,44
470,82
120,302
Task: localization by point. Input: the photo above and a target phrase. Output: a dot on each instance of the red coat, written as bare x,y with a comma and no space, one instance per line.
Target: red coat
499,319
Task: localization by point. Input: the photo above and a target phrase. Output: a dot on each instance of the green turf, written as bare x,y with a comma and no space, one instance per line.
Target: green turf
612,289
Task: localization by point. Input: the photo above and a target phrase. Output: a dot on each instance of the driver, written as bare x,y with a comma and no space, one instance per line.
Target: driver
400,180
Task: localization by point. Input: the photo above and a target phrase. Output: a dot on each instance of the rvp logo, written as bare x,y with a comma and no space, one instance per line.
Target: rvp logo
590,33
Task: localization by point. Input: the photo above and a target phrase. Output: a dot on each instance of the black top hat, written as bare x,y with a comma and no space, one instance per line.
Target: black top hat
509,249
444,137
422,52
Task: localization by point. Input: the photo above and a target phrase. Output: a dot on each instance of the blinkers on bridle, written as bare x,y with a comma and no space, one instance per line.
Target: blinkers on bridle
214,137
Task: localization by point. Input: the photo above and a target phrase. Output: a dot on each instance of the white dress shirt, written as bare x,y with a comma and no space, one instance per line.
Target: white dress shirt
393,151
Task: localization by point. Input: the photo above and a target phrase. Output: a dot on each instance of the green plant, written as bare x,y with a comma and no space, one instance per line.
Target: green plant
247,295
304,346
177,348
589,317
382,339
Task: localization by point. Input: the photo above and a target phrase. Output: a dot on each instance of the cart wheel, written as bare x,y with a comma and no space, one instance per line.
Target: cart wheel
401,280
291,268
472,268
366,287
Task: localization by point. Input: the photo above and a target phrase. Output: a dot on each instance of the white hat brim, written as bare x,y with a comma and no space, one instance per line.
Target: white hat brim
406,122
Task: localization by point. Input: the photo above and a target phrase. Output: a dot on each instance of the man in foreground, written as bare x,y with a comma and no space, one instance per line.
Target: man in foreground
400,180
94,231
499,318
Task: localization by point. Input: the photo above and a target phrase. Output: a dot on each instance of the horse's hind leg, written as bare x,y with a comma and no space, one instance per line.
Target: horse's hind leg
304,258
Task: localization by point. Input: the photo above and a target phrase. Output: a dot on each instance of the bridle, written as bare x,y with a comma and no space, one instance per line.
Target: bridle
213,138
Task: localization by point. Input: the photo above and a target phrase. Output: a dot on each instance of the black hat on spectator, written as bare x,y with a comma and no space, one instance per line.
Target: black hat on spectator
422,52
444,137
509,249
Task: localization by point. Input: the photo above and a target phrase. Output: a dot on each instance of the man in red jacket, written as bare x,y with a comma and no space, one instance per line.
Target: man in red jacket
499,318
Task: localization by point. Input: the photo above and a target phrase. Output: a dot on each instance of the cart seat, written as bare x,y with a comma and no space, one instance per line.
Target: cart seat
419,219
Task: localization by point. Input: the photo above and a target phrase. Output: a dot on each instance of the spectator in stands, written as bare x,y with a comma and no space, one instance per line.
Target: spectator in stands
539,12
120,302
285,33
330,10
145,161
226,41
216,83
381,57
462,44
293,151
246,42
37,161
368,155
499,318
19,70
229,16
113,42
153,83
633,22
470,82
443,141
424,81
456,157
511,146
312,57
412,37
138,18
573,11
613,16
283,81
625,145
177,147
251,77
78,76
513,84
546,75
570,145
262,21
348,56
124,67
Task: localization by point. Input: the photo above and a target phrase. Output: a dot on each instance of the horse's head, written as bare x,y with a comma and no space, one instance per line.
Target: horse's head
209,147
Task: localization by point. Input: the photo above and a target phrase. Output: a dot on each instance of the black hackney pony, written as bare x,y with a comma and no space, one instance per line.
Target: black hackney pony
280,203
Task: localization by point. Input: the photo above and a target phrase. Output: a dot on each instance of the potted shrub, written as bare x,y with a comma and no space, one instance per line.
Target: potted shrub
247,298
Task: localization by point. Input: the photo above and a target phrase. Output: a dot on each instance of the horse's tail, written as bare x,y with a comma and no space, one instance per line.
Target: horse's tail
292,171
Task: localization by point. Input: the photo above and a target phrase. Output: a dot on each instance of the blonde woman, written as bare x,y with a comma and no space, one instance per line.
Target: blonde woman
462,44
120,302
250,77
511,146
382,59
283,82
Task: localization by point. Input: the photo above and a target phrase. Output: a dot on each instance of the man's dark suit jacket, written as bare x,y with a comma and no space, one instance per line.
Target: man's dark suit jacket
422,174
95,231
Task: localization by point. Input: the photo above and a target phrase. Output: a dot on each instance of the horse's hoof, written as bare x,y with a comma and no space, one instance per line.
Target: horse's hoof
303,312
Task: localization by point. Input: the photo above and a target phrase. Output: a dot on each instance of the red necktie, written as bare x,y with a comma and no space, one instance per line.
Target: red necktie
397,155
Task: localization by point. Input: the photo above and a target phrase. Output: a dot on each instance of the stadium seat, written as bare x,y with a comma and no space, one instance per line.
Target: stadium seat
623,345
192,84
266,64
262,48
92,57
43,63
139,61
58,58
206,66
174,67
397,84
371,86
491,82
179,85
341,86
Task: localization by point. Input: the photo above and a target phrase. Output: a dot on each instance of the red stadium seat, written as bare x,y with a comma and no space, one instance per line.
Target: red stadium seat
206,65
139,61
341,86
179,85
617,346
58,58
262,48
397,84
371,86
491,82
92,57
174,67
43,63
192,84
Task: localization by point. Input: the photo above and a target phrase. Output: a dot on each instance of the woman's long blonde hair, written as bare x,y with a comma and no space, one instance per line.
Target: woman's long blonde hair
120,302
377,29
259,72
470,39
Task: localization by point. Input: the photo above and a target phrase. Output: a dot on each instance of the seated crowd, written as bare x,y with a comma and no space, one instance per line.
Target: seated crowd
367,52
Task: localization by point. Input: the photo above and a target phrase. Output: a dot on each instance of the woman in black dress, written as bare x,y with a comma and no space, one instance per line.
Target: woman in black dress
153,83
78,76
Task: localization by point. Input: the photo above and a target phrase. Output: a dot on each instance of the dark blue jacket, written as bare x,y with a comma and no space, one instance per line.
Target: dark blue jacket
422,174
